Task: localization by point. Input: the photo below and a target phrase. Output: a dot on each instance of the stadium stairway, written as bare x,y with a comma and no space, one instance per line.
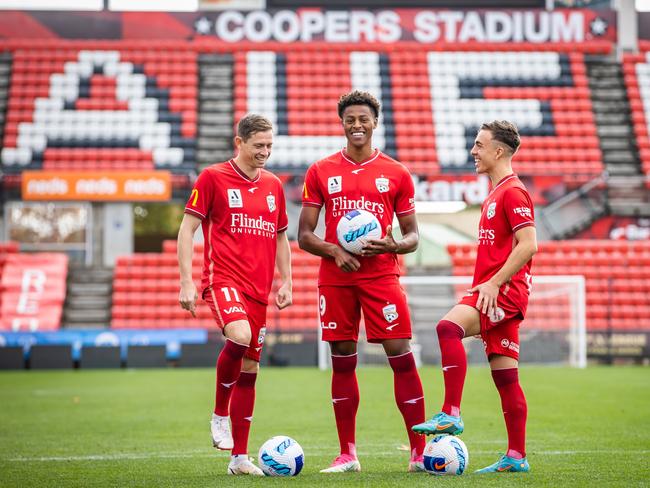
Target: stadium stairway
5,76
89,297
627,194
214,141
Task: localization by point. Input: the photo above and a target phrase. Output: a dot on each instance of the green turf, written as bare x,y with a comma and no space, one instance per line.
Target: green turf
150,428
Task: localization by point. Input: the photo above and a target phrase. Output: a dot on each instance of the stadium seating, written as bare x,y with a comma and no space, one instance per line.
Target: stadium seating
76,106
145,293
617,277
433,102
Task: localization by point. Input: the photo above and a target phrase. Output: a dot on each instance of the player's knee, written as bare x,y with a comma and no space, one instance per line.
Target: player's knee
239,332
449,330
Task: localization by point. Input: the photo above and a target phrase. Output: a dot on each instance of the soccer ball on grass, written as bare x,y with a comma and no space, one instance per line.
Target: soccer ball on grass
281,456
445,454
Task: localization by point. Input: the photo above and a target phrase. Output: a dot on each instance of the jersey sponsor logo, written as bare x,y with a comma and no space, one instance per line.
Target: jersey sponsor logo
390,312
252,190
242,223
357,171
491,210
334,184
486,236
234,198
523,211
382,184
233,309
496,315
270,201
513,346
342,205
262,335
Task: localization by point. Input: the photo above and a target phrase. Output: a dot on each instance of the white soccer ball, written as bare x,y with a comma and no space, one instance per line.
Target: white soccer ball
281,456
445,454
355,228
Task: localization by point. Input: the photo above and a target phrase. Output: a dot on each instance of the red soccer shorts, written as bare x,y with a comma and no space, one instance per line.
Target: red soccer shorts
385,311
229,304
500,333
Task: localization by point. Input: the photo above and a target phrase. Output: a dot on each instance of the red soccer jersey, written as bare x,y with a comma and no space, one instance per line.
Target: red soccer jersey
507,209
379,185
241,219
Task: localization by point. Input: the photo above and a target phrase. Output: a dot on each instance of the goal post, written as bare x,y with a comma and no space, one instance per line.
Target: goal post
553,332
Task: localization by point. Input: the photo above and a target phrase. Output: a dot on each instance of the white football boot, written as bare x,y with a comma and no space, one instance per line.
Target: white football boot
221,436
240,464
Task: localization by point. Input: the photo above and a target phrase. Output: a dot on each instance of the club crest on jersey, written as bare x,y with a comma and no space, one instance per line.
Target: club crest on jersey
382,184
270,200
234,198
260,338
390,312
491,210
334,184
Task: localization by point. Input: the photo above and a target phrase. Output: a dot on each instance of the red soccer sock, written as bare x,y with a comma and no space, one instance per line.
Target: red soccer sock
345,397
228,369
242,405
409,397
515,409
454,364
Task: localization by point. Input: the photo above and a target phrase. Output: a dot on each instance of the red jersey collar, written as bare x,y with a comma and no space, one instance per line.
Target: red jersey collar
244,175
374,156
503,180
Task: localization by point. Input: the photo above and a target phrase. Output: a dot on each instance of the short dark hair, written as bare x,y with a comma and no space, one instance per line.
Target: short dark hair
505,132
251,124
358,97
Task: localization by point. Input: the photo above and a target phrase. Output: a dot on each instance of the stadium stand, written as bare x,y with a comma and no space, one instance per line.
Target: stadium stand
617,277
433,102
120,108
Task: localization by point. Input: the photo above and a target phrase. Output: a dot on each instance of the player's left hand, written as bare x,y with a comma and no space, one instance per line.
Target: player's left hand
381,246
488,293
284,298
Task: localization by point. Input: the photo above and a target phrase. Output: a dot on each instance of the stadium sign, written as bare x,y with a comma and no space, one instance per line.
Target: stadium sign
423,26
387,26
95,186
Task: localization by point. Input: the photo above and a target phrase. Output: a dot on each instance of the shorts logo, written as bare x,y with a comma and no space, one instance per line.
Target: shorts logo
233,309
270,200
234,198
497,315
505,343
260,338
390,312
382,184
491,210
513,346
334,184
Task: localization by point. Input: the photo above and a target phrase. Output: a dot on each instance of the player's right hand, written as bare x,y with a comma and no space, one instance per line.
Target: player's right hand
346,261
188,297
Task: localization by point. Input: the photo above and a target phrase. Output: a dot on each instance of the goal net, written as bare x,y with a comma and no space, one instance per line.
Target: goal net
553,332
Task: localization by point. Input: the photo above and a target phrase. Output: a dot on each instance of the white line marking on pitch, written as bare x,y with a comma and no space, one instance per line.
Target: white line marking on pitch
202,453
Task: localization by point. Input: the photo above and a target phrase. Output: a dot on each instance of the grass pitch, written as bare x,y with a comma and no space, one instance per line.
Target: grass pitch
150,428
